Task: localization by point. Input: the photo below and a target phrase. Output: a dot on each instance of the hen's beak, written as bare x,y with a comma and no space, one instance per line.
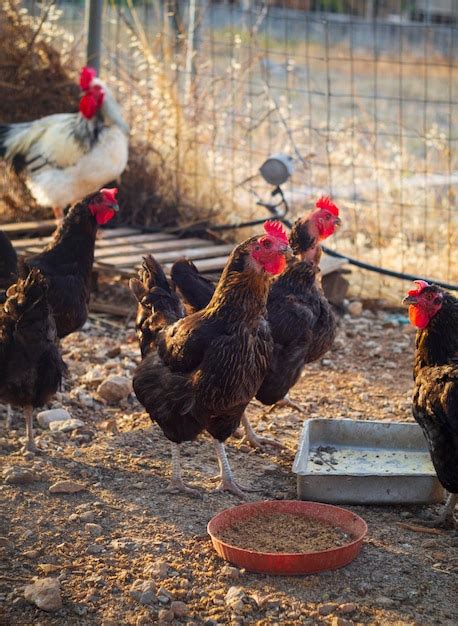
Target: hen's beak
287,251
114,206
410,300
337,222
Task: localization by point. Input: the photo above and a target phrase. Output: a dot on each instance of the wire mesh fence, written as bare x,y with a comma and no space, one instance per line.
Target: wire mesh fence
362,93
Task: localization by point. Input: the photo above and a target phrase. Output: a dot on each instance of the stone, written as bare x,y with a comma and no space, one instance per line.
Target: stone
328,608
384,602
355,308
94,548
158,569
179,609
6,544
114,388
347,607
95,529
45,418
86,516
18,476
340,621
44,593
165,615
66,486
234,598
66,426
143,591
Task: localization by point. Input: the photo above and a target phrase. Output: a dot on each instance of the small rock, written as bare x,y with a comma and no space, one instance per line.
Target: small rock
66,426
44,593
230,572
384,602
113,352
340,621
271,469
114,388
165,615
66,486
179,609
18,476
95,529
49,568
45,418
234,598
158,569
348,607
143,591
355,308
94,548
31,554
328,608
87,516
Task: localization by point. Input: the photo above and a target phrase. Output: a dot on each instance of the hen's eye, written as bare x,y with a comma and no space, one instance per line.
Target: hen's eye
429,296
267,244
257,247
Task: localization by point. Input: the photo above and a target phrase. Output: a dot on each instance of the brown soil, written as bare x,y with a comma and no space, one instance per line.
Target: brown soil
281,532
400,577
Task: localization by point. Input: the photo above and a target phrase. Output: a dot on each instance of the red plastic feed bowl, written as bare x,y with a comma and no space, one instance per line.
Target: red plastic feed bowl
283,563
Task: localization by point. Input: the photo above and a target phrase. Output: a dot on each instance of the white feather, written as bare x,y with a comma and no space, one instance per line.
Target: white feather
102,164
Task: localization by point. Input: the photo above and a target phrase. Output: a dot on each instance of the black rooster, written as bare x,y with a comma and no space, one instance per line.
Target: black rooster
435,401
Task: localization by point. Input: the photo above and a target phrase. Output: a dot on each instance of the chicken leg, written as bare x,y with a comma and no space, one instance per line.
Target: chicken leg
227,481
253,439
30,445
177,485
446,518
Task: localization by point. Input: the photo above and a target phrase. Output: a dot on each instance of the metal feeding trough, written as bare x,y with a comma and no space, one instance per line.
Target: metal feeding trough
364,462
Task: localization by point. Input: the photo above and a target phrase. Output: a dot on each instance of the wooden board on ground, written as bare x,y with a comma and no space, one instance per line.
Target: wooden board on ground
119,251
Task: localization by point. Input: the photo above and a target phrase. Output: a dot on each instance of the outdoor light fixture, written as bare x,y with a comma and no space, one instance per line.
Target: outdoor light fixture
277,169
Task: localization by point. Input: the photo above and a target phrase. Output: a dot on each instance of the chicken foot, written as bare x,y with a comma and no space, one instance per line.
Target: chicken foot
286,401
227,481
177,485
255,440
30,445
446,518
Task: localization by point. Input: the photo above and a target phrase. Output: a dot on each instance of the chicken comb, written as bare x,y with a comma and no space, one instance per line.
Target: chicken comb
276,229
325,202
109,194
87,75
421,286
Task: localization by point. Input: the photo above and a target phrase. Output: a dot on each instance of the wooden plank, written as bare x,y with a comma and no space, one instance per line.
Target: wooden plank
202,252
22,244
206,265
136,238
150,247
22,228
110,233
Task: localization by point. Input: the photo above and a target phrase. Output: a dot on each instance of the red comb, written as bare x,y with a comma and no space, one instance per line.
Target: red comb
326,203
422,284
109,194
86,77
276,229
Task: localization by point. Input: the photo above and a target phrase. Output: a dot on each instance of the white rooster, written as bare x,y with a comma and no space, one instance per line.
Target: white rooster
68,156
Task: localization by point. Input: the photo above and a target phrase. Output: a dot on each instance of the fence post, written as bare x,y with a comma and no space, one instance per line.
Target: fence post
94,10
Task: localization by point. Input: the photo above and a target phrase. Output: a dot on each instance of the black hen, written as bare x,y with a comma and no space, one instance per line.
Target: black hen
8,265
31,367
67,261
435,401
200,371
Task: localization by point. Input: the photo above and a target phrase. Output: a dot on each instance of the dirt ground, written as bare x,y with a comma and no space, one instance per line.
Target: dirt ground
122,533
